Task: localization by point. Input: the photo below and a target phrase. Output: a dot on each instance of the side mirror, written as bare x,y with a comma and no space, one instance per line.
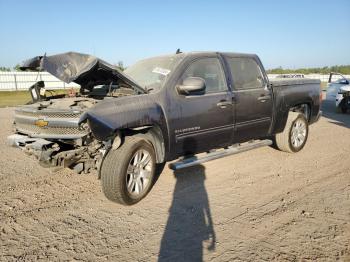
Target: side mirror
192,85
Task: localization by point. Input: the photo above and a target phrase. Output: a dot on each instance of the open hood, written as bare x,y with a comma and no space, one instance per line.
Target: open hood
85,70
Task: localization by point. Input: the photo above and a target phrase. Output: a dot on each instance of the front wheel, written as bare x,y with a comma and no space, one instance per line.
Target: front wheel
128,173
294,135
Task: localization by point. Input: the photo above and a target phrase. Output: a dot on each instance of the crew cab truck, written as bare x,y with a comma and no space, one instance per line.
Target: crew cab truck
188,108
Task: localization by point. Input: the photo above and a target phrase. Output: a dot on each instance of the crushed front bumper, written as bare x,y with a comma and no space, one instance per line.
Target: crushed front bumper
54,154
42,149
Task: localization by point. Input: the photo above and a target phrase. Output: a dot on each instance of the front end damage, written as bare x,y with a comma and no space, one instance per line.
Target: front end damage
54,154
51,128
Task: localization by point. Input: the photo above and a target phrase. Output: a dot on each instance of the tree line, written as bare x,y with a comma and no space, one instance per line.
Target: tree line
342,69
8,69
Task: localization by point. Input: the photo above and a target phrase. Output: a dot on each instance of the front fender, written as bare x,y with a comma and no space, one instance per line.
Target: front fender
120,113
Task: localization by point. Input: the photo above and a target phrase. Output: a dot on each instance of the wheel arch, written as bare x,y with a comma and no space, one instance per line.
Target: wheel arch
152,134
304,108
298,107
155,136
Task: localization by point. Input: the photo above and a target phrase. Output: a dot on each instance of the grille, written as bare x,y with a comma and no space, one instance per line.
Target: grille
28,128
68,114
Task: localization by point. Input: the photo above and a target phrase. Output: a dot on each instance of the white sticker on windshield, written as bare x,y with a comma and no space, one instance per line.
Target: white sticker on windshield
161,71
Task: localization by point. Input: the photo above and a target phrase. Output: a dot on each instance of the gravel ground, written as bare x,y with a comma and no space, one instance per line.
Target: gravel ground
259,205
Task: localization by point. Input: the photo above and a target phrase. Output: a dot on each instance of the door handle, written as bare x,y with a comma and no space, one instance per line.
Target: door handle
264,98
223,104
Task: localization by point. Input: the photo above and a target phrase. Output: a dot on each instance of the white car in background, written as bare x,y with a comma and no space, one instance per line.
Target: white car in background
339,92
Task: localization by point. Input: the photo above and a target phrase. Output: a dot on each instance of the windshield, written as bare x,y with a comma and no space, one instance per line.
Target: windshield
151,73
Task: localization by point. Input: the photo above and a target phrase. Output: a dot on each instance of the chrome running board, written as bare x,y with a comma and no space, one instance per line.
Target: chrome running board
195,160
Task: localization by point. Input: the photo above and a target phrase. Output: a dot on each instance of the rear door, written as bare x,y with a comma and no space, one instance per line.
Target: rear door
253,98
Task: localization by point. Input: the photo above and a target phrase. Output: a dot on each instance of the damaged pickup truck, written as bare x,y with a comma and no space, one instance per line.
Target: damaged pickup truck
193,107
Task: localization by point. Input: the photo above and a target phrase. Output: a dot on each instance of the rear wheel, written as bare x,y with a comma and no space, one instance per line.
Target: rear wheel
128,173
294,135
343,106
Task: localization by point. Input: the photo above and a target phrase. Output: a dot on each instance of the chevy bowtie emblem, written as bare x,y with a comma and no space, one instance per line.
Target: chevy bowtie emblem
41,123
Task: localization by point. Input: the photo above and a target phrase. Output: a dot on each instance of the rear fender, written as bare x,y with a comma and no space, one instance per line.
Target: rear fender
282,115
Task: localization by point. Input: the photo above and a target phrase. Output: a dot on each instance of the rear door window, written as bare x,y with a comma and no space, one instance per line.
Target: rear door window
246,73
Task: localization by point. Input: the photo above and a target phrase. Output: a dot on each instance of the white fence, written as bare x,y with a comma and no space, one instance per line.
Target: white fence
11,81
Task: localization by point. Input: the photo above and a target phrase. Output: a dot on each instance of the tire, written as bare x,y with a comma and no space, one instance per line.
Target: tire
127,175
343,109
296,126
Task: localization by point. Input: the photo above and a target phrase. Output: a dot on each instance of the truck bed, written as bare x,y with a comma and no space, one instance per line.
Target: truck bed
293,81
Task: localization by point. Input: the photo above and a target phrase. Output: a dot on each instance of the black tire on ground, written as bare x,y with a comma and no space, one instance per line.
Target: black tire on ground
283,141
344,109
114,171
338,109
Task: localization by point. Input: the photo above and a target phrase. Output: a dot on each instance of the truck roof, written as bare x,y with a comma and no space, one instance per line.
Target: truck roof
203,53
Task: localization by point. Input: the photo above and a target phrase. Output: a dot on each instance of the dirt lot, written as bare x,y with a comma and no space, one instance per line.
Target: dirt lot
259,205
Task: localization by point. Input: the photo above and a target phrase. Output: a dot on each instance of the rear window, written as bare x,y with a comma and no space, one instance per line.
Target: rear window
246,73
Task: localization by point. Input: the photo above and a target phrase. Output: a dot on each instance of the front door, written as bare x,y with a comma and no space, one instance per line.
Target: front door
204,121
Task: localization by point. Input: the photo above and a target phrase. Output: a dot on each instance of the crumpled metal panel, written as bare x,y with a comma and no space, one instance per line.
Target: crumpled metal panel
124,112
83,69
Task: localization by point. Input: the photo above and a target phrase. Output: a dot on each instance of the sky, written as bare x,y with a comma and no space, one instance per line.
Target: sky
291,34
